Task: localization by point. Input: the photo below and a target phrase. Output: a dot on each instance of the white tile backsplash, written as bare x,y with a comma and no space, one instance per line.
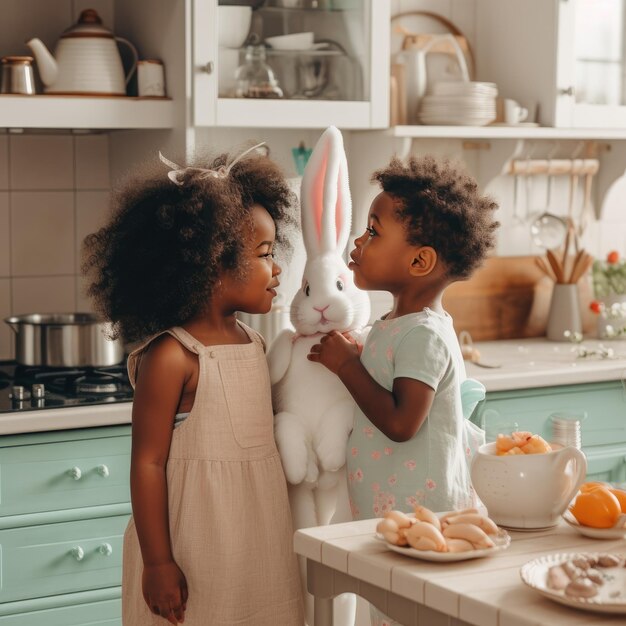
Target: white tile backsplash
5,245
41,162
92,162
54,190
42,233
49,294
92,211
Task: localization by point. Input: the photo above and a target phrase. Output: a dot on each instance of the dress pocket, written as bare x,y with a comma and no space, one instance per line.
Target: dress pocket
246,385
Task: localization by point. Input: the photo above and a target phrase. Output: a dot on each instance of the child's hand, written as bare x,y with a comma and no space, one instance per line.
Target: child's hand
165,591
335,350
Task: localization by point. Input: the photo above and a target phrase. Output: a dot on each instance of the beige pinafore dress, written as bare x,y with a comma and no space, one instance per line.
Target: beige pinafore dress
230,523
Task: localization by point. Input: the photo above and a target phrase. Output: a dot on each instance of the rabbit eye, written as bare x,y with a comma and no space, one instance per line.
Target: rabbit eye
307,291
340,285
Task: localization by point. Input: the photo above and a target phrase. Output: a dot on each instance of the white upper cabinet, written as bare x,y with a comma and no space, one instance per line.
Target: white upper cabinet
567,56
308,63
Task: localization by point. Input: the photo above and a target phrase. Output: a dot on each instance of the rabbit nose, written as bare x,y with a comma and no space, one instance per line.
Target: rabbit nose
322,309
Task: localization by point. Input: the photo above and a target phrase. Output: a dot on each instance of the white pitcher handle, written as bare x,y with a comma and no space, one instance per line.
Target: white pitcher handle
133,50
571,453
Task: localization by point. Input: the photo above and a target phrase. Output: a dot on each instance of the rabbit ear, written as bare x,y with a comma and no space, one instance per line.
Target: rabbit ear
325,197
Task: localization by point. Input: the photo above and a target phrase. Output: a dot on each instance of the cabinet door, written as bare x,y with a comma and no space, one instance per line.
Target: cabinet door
530,409
64,475
103,613
339,76
53,559
591,64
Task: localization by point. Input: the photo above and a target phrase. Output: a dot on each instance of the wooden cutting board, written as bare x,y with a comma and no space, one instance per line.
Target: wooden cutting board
508,298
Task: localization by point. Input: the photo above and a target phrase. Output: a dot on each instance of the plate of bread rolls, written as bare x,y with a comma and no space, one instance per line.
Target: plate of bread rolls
450,536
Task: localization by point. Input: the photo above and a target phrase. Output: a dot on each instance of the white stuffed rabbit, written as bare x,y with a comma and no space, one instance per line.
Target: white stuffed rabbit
314,411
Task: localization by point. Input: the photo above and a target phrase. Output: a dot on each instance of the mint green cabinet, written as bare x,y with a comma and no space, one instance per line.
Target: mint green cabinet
603,431
64,506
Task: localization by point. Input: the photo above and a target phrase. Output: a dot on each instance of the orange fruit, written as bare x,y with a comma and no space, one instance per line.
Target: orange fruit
597,508
586,487
620,494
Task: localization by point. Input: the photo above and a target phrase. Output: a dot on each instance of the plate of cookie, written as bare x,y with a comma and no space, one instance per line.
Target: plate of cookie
450,536
593,581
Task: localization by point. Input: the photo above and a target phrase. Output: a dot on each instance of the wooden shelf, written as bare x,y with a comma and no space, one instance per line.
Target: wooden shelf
505,132
85,112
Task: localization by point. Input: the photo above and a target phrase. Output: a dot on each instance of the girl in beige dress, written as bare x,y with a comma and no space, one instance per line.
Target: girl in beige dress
210,540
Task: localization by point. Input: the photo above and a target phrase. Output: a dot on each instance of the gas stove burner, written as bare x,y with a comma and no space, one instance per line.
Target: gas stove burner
77,382
24,388
97,384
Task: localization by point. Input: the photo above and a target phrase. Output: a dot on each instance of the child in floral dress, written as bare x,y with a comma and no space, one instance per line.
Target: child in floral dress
428,228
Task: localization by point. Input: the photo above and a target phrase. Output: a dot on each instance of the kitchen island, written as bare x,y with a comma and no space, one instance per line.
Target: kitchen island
482,592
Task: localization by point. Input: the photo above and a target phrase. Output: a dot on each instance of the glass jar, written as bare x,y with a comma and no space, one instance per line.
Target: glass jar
255,78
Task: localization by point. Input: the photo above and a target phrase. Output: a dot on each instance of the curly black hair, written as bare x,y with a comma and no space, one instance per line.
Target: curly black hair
442,207
156,262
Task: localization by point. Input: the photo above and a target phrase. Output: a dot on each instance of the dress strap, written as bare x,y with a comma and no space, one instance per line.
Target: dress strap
253,334
134,357
187,339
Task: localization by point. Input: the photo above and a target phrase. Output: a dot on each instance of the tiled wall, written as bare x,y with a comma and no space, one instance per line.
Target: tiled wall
54,189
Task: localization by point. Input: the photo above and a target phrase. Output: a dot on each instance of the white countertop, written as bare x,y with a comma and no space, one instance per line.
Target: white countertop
484,592
64,418
528,363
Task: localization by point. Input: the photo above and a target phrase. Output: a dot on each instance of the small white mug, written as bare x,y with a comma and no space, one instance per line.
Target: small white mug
514,113
150,78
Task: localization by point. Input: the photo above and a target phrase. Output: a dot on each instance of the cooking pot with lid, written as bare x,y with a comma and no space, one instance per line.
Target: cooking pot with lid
64,340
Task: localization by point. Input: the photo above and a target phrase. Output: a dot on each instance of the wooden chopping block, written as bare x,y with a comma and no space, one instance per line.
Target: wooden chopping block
508,298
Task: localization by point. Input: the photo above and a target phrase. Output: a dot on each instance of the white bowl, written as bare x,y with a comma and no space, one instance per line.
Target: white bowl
527,491
294,41
233,25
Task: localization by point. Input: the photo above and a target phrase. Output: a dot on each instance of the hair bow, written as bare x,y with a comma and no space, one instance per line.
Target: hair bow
177,173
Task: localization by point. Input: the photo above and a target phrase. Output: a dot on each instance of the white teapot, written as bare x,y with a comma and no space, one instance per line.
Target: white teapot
86,60
527,491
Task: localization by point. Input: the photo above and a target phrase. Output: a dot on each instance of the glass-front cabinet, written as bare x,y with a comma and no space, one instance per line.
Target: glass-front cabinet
291,63
568,57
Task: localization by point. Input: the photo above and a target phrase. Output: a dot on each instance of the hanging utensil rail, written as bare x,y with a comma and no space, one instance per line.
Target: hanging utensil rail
554,167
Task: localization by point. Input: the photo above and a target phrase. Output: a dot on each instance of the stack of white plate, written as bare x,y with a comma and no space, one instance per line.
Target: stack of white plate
459,103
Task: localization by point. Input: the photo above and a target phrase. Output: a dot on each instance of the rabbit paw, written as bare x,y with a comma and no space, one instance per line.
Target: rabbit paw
291,443
331,453
331,441
312,471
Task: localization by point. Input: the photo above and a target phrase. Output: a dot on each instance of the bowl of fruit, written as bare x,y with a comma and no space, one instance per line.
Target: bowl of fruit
525,482
598,511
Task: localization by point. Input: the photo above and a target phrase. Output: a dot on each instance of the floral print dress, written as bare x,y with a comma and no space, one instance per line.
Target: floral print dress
431,468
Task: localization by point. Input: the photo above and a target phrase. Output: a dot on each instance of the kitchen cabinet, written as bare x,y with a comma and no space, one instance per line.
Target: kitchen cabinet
568,56
64,508
345,83
603,430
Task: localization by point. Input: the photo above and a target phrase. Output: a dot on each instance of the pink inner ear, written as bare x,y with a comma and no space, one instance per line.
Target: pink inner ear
338,207
318,197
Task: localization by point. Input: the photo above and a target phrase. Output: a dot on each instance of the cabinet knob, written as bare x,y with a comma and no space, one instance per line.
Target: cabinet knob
75,473
570,91
209,67
103,470
78,553
105,549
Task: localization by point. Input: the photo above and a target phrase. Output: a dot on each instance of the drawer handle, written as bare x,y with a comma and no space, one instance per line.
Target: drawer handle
105,549
78,553
103,470
75,473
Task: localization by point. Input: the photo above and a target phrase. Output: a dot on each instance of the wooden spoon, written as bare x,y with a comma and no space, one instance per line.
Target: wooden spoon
555,264
583,267
544,268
